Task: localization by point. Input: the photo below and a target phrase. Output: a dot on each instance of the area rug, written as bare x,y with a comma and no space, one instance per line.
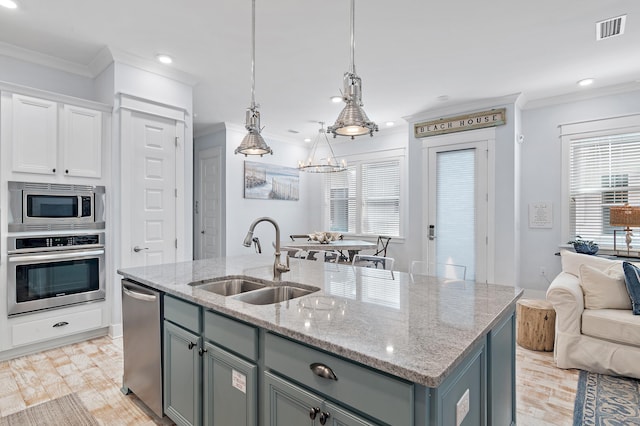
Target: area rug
606,400
67,410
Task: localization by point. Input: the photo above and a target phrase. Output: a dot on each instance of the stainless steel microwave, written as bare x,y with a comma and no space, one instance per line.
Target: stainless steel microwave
51,206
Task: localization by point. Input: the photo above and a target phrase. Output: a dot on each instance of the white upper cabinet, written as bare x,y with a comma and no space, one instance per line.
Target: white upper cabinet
56,139
35,134
82,141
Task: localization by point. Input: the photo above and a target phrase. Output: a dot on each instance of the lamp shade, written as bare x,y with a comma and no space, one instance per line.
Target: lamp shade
353,121
627,216
253,144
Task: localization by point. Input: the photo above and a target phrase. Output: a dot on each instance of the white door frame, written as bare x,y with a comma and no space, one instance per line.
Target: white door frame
198,224
450,140
129,105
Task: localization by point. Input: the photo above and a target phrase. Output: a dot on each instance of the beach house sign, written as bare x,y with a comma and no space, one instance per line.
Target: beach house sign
460,123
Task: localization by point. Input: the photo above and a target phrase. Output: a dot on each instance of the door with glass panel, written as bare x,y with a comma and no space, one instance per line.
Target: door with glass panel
457,206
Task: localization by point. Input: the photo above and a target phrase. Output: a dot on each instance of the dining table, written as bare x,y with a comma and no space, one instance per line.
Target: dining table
353,247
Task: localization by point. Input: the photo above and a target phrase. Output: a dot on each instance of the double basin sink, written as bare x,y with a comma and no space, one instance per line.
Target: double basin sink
254,292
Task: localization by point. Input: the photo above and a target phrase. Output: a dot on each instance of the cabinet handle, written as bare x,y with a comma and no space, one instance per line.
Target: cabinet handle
60,324
313,412
323,371
201,351
324,417
191,345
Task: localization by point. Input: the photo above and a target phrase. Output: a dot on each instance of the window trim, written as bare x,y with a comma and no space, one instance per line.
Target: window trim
581,130
372,157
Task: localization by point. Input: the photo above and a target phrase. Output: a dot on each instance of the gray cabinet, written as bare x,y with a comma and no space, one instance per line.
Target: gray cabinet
230,388
182,373
207,382
288,404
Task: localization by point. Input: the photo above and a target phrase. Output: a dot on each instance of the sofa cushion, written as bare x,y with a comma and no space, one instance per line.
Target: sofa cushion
632,280
571,262
604,289
612,324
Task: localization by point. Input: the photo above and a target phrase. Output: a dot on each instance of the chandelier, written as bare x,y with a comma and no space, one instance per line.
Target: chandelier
328,164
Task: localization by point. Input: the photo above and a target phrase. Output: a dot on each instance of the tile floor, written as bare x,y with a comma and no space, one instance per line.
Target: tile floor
93,369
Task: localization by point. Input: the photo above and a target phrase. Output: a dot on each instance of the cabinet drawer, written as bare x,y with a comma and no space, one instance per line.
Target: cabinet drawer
58,326
231,334
374,393
182,313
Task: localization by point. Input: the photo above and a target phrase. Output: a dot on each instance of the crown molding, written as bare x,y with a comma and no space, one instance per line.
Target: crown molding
126,58
439,112
43,59
583,95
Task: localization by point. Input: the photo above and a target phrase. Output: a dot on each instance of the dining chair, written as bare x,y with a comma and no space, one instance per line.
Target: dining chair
449,271
372,261
381,246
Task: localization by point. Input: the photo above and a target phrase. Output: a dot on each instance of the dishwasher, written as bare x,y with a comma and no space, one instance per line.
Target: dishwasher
142,344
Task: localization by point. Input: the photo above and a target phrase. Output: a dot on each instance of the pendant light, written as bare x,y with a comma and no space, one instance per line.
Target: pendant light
329,164
352,121
253,143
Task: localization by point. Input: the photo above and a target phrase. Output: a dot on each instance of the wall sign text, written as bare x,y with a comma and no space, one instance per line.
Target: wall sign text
460,123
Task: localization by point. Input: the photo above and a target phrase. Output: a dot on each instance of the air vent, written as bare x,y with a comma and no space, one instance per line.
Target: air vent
293,131
610,27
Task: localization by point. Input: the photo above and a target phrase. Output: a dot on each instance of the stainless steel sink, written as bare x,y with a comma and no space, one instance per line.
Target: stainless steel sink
228,287
275,294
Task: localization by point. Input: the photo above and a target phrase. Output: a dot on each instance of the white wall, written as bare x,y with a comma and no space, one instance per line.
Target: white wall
541,175
292,216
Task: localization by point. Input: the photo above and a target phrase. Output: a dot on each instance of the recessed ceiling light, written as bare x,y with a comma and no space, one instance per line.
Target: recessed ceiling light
165,59
9,4
307,139
586,82
390,123
336,99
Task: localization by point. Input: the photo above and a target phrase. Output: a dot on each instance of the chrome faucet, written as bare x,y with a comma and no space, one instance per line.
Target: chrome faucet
278,268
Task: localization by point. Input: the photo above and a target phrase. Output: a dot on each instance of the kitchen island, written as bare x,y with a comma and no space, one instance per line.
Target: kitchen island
412,350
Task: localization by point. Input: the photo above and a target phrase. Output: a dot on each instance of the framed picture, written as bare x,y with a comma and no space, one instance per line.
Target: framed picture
271,182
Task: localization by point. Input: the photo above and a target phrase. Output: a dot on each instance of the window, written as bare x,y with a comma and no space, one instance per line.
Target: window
365,199
603,171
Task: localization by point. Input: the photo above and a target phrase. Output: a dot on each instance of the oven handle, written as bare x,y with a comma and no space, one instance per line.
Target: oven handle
139,296
57,256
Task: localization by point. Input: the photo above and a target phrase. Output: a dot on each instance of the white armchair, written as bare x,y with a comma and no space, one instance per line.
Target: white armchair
604,341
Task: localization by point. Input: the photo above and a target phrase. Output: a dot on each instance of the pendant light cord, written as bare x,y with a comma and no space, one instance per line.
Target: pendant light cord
253,54
353,39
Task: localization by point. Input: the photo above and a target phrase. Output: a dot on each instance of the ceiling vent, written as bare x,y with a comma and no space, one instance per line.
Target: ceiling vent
610,27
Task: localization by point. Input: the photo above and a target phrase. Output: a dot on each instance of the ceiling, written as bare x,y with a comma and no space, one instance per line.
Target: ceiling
411,55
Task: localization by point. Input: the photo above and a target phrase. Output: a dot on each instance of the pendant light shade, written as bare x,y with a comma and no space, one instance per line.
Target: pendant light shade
253,143
352,121
318,163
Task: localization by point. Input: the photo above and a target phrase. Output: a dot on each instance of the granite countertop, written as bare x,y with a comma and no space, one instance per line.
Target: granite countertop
417,328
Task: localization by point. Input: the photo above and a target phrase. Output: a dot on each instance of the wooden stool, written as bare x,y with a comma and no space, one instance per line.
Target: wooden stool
536,322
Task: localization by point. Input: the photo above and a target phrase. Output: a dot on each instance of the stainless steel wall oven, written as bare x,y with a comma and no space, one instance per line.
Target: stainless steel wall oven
52,271
50,206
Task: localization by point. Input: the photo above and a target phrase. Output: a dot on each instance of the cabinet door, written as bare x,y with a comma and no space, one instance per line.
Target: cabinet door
230,389
286,404
334,415
35,135
182,375
82,142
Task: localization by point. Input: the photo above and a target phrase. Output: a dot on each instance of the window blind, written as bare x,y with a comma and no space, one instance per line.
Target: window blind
604,171
365,199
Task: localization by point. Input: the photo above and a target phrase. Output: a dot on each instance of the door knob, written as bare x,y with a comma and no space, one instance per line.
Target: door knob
138,248
324,416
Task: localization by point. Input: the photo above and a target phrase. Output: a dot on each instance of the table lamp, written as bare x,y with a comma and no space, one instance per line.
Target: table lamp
627,216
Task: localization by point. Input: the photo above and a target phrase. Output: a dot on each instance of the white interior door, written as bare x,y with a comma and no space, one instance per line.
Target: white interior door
152,190
208,205
457,208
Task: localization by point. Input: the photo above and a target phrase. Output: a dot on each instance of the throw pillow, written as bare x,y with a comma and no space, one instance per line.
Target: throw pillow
571,262
632,279
604,289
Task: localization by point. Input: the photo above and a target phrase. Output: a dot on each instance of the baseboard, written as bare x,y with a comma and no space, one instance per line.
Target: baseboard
115,331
